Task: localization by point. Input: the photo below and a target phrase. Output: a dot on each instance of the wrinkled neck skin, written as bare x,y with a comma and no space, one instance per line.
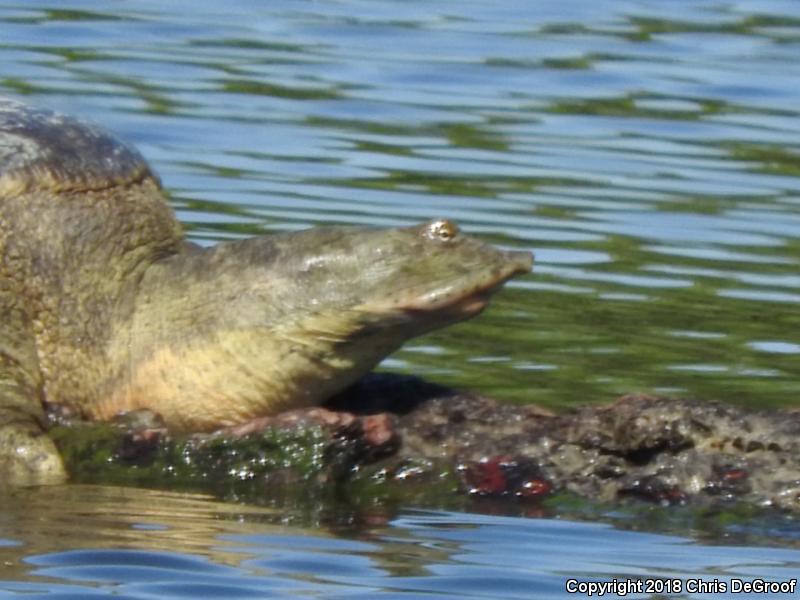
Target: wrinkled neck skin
213,343
250,328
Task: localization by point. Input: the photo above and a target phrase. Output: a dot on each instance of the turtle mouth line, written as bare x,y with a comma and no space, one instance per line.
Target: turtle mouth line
463,305
471,302
455,301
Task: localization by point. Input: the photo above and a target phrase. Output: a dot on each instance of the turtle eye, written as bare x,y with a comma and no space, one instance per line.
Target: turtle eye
442,230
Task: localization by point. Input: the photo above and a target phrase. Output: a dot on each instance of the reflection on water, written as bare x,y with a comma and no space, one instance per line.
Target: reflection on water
96,542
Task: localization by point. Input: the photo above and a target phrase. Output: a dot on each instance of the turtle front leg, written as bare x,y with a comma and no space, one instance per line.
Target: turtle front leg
27,455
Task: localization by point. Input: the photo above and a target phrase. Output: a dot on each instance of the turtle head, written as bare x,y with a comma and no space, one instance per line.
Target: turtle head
410,279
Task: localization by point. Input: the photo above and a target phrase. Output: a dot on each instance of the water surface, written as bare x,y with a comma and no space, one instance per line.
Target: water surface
130,544
646,151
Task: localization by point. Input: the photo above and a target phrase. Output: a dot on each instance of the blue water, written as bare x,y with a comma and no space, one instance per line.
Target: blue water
138,544
646,151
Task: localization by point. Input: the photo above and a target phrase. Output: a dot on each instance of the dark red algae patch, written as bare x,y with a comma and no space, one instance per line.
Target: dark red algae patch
501,476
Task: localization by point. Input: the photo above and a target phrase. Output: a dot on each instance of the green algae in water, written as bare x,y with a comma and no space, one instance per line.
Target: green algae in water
101,453
306,468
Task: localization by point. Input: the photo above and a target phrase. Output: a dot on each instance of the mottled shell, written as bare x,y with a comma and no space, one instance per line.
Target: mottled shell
81,218
43,150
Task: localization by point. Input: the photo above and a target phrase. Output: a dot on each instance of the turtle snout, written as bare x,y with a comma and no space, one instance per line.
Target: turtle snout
520,261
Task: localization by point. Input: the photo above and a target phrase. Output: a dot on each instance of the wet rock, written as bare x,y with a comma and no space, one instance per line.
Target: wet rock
664,450
401,433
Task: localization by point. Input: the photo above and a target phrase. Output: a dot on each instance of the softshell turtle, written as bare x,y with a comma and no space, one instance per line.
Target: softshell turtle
106,309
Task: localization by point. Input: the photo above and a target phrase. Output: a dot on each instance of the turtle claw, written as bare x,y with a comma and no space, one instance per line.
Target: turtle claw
289,419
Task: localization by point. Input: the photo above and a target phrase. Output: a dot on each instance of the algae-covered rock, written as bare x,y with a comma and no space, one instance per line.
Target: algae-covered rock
442,443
